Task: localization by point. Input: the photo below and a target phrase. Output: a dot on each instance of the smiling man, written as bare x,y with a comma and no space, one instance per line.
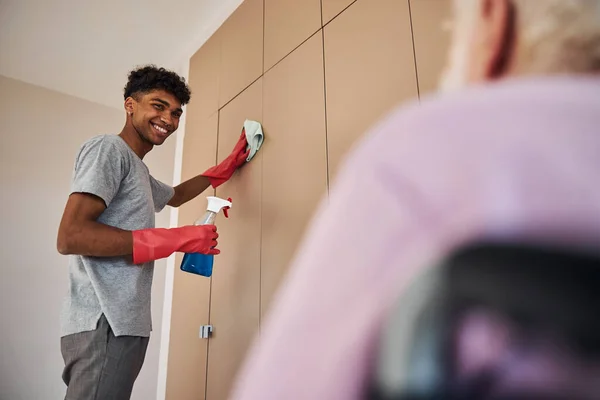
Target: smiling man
108,230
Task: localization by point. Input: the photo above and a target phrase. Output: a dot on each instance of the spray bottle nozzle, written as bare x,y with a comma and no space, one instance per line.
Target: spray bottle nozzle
216,204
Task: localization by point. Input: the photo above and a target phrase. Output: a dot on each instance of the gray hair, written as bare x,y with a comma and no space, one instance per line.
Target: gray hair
553,36
558,36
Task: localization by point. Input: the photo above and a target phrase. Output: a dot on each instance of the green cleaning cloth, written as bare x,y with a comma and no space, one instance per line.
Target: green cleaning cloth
254,136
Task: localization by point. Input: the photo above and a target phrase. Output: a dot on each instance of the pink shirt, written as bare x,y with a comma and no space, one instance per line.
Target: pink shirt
515,159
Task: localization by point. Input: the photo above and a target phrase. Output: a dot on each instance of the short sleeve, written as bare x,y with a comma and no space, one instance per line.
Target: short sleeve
99,169
161,193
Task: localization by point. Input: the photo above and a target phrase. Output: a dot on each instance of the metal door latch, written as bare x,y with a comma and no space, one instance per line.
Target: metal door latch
205,331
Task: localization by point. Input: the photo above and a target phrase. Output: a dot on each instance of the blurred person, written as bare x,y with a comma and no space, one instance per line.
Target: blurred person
509,150
108,231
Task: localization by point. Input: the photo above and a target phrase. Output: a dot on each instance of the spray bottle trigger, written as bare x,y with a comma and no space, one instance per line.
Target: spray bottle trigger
225,209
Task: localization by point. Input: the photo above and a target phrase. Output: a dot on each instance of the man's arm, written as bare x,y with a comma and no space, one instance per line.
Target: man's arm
188,190
80,233
99,169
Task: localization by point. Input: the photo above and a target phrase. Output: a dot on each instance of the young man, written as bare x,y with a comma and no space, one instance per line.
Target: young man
514,154
108,230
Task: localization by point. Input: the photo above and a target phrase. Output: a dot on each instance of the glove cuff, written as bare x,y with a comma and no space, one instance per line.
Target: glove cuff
154,244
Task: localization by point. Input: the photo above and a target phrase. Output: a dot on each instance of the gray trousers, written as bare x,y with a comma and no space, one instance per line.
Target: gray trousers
100,366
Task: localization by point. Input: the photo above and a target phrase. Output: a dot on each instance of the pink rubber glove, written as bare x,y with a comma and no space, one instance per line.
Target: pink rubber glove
222,172
156,243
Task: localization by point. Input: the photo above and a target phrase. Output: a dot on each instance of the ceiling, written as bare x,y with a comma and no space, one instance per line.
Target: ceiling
86,48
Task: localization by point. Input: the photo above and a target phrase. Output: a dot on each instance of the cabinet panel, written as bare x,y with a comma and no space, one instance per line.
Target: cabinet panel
241,49
432,40
331,8
294,157
200,142
287,24
361,89
191,293
204,77
235,299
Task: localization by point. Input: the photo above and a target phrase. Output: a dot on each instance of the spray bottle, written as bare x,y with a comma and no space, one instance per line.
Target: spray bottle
202,264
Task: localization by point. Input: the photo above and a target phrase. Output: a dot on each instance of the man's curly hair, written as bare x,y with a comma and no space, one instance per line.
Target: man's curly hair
149,77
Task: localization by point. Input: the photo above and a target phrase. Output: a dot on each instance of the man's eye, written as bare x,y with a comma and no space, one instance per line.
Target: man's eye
158,106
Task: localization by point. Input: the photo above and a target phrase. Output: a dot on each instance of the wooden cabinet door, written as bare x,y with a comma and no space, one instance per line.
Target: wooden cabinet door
369,68
331,8
241,49
235,292
431,20
288,23
186,378
294,157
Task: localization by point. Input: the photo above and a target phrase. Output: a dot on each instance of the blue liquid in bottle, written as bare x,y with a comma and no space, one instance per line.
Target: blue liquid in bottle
197,263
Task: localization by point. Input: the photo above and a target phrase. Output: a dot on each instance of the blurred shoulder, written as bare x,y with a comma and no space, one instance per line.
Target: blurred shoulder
472,117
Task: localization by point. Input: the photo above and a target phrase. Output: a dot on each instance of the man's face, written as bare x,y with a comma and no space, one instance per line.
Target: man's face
155,116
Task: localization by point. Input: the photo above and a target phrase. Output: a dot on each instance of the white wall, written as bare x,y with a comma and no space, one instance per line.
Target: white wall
41,131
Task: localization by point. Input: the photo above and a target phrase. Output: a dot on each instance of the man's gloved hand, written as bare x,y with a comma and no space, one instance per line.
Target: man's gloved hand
222,172
156,243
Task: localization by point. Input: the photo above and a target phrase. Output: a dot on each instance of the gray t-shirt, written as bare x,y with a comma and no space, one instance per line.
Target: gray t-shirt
108,168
